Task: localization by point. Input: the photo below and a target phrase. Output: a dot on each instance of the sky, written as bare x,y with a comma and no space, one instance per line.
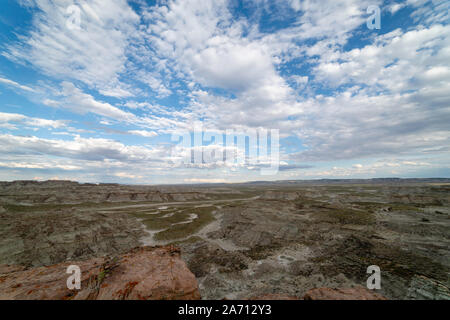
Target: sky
104,91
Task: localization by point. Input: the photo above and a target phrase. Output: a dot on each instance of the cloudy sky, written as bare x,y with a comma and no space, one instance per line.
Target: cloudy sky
95,90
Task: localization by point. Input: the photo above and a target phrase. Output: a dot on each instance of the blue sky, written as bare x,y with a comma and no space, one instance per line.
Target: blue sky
100,96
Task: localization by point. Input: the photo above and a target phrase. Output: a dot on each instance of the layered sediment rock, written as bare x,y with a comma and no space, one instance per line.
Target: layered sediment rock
69,192
149,273
50,237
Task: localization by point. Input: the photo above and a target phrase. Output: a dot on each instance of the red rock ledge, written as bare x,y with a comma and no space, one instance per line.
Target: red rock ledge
150,273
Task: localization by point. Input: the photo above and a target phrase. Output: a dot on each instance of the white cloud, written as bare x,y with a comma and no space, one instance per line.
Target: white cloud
330,18
206,180
95,54
393,8
127,175
389,98
154,82
233,66
116,92
9,119
93,149
77,101
430,11
392,61
380,168
143,133
15,84
37,165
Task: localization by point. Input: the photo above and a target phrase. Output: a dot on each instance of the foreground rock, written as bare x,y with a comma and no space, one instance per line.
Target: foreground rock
274,296
357,293
149,273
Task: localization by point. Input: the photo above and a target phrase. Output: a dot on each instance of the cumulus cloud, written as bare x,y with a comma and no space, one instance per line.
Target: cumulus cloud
393,62
94,149
399,101
308,68
204,45
335,19
94,53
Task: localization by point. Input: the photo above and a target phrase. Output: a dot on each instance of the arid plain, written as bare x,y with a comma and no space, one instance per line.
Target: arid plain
242,240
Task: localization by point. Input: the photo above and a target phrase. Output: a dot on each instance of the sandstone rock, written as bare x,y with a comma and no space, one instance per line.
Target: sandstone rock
274,296
357,293
4,269
149,273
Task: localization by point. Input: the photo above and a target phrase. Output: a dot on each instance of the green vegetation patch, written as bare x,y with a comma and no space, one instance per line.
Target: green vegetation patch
180,231
45,207
163,220
345,216
35,208
399,207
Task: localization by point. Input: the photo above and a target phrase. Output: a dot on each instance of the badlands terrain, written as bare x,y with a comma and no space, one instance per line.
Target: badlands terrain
240,240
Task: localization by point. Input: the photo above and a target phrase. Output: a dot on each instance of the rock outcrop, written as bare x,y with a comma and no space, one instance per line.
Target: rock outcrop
42,238
424,288
69,192
148,273
357,293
